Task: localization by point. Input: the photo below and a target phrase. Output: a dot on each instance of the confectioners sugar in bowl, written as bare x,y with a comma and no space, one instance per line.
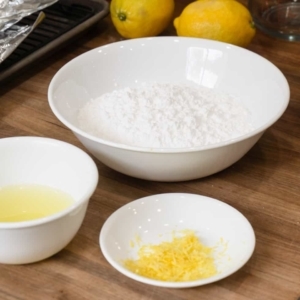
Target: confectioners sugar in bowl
164,115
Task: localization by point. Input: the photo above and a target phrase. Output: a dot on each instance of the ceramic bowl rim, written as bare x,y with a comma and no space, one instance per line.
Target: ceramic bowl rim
98,140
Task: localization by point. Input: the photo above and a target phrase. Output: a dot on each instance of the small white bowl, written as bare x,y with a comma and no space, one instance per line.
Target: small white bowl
52,163
155,218
258,84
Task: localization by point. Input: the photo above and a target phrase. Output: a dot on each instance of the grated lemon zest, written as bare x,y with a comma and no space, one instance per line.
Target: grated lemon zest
185,258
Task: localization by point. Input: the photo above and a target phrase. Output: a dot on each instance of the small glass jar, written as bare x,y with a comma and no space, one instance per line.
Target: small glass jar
278,18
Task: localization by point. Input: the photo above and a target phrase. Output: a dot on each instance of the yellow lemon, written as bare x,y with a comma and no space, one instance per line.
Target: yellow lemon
222,20
142,18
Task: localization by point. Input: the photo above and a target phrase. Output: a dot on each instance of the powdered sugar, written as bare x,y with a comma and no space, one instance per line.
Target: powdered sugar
165,116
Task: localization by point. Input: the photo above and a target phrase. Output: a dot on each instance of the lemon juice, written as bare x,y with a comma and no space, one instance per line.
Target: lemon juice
29,202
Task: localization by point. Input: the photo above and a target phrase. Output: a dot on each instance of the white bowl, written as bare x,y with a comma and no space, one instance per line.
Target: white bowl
224,68
52,163
154,219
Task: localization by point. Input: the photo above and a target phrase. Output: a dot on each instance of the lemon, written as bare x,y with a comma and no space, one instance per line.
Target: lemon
142,18
222,20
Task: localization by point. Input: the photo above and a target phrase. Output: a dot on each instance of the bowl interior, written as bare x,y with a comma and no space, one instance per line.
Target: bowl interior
154,219
34,160
256,82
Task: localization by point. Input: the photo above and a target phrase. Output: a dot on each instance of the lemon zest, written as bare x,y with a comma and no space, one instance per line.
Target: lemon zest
184,258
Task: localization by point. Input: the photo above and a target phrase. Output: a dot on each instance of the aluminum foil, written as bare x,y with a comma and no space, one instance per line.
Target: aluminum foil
13,37
12,11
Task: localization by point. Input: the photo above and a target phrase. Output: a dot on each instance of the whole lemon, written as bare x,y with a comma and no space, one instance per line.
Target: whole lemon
142,18
222,20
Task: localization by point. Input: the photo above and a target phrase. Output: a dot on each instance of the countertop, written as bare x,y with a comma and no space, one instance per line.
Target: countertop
263,185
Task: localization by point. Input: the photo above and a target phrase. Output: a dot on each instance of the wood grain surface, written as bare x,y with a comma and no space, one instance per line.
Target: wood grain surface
264,185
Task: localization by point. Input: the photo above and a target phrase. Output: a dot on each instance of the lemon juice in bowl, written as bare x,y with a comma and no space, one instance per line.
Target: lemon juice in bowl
29,202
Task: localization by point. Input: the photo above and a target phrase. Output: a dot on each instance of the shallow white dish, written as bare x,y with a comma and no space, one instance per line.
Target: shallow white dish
154,218
258,84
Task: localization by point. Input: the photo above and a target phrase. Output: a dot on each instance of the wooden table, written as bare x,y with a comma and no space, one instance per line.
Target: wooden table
264,185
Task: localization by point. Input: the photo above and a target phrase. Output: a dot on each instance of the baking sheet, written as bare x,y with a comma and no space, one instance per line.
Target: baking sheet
46,38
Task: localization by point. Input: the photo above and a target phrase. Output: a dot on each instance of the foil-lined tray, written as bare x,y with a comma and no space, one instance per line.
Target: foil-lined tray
11,38
63,21
12,11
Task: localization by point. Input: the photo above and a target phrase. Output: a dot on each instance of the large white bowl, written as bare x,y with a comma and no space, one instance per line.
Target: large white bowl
52,163
260,86
154,219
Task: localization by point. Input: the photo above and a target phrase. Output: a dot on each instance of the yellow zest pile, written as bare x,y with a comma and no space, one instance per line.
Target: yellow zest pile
182,259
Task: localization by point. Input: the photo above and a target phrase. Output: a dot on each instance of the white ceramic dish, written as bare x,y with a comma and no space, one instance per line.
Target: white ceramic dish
260,86
43,161
154,218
